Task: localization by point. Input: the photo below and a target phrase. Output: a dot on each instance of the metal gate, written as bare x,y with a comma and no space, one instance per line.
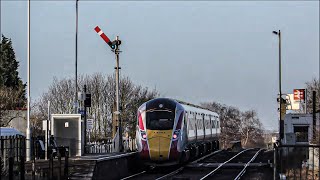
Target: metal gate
296,161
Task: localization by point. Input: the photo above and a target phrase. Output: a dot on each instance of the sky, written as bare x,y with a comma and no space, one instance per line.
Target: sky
193,51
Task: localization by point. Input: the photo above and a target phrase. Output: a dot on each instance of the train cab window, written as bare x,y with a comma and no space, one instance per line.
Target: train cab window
160,120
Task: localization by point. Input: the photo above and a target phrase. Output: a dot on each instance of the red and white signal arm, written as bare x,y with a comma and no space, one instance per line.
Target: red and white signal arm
299,94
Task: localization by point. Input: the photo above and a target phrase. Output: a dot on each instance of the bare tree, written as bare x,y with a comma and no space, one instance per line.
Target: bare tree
251,128
9,99
313,85
102,90
236,125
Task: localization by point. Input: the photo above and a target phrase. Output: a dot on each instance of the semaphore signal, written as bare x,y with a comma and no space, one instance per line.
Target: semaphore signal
112,44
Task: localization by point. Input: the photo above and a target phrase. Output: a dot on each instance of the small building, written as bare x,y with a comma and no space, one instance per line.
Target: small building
298,129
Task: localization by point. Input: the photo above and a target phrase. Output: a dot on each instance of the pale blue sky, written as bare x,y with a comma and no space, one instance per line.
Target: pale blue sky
193,51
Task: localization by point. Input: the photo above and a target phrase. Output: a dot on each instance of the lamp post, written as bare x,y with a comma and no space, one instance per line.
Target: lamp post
281,127
76,64
28,143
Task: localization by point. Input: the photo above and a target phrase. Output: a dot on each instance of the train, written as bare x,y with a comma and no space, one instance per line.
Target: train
171,132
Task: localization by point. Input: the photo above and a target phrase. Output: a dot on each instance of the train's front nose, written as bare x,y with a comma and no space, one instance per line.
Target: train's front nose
159,144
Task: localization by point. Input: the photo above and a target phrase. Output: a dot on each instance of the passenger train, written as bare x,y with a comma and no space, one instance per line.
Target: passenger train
171,132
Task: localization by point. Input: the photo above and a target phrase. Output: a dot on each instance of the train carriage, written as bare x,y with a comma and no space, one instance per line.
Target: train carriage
170,132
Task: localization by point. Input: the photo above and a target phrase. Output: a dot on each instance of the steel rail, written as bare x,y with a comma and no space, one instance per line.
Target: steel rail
216,169
247,164
181,168
170,174
206,156
134,175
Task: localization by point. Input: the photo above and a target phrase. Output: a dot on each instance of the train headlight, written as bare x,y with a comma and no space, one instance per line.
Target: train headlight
175,135
143,135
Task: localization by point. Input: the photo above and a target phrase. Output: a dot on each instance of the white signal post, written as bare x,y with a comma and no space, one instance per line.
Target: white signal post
115,48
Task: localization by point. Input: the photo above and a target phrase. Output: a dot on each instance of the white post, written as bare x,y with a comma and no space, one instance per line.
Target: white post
47,132
28,150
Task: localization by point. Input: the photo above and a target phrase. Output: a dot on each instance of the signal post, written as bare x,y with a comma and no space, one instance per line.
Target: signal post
115,47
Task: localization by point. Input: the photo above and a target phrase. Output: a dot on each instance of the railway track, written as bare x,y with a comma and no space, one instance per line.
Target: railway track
224,165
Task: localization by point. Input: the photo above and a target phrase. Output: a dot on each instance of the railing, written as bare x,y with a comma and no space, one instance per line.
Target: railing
108,146
296,161
12,156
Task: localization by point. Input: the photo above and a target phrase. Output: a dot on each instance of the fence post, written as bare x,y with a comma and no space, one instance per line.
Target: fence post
66,164
0,165
50,166
274,162
11,160
22,168
59,161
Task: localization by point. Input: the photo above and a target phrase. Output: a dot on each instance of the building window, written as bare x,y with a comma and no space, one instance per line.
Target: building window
301,133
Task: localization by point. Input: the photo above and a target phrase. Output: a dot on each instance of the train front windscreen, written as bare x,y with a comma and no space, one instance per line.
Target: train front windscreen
160,120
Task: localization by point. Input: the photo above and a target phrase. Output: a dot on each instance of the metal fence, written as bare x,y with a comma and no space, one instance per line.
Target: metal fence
12,156
296,162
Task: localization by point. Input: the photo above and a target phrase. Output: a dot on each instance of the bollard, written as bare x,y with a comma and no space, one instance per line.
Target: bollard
22,168
11,160
66,164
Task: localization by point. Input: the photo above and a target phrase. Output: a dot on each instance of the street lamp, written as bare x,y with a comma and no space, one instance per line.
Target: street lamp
28,143
281,128
76,64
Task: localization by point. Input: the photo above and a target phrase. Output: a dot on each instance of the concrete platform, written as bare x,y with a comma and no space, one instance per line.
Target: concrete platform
91,166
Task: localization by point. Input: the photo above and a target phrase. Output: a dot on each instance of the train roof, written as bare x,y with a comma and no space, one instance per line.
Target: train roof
196,108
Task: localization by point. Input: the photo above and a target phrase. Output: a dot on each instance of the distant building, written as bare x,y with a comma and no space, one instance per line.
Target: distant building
270,137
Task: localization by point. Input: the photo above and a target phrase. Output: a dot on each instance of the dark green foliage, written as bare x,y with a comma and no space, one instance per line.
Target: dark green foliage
9,75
